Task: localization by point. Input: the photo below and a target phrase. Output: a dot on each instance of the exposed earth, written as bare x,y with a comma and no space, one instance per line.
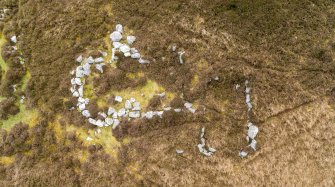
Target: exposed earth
285,49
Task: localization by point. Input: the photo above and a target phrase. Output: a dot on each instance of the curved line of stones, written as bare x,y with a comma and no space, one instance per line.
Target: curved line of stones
132,108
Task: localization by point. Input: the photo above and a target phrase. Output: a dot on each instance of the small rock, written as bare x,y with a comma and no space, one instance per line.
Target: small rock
79,59
13,39
125,49
116,36
136,56
179,151
142,61
243,154
98,60
119,28
118,99
131,39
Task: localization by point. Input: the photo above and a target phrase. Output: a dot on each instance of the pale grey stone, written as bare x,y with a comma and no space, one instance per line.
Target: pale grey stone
116,123
188,105
119,28
142,61
134,114
86,113
179,151
98,60
177,110
99,67
122,112
252,131
116,36
243,154
149,115
131,39
128,104
136,56
181,61
13,39
117,45
125,48
118,99
109,121
79,59
111,111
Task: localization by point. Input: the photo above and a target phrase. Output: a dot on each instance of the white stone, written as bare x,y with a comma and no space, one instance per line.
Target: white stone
102,114
86,113
128,104
82,106
109,121
75,94
243,154
132,100
188,105
103,53
87,69
167,108
81,91
253,144
192,110
179,151
79,58
79,71
71,89
98,60
131,39
92,121
118,99
136,106
177,110
99,67
89,138
181,57
119,28
117,45
111,111
13,39
116,36
100,123
159,113
174,47
116,123
125,48
211,149
127,54
142,61
122,112
90,60
115,115
136,56
134,114
133,50
77,81
252,131
149,115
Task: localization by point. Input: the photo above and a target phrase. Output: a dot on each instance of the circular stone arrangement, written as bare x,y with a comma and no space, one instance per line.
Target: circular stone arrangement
132,109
